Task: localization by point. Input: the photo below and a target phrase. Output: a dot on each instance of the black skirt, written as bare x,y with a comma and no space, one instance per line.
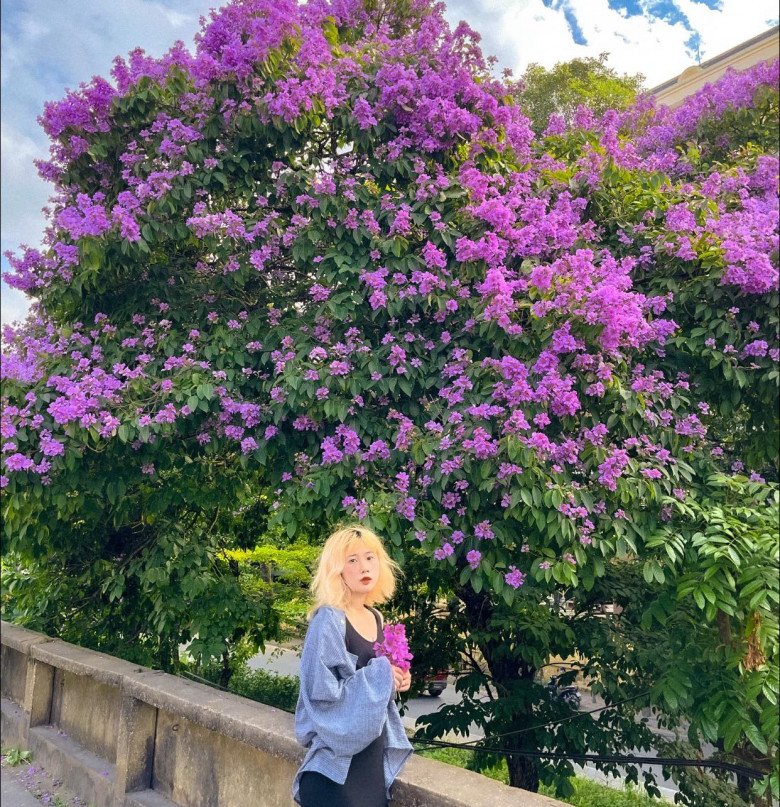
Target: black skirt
365,782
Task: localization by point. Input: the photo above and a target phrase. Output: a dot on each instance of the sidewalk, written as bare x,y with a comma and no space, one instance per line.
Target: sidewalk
29,785
12,794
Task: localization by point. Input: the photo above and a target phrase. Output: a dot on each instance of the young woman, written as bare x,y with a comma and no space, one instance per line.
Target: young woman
346,714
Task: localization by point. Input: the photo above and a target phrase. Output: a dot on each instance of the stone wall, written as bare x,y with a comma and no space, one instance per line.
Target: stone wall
121,735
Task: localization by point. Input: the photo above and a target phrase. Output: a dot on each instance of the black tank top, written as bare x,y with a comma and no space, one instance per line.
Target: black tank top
365,785
359,646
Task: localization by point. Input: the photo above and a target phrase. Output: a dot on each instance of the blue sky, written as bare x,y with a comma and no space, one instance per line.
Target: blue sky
51,45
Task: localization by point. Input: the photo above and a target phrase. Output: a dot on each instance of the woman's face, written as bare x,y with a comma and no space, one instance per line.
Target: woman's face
361,568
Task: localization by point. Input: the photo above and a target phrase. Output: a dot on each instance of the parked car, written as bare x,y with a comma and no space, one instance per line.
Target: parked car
436,684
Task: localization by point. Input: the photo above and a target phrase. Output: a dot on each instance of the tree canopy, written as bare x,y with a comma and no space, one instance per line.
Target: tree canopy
320,268
586,81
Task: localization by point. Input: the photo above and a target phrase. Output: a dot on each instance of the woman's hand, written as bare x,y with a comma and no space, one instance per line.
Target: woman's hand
402,679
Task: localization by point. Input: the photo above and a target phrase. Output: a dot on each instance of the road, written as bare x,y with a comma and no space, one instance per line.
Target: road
285,661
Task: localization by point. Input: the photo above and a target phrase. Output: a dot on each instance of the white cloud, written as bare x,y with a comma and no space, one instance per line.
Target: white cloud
523,31
728,26
13,305
24,192
636,44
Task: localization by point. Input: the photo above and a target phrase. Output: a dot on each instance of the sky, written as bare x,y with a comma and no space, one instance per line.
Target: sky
49,46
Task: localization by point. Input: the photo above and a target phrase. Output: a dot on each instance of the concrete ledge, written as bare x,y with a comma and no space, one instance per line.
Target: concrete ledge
87,709
84,772
16,644
198,767
80,661
424,782
13,674
21,639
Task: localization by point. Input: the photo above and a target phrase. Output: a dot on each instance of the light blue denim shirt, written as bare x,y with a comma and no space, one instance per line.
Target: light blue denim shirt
341,710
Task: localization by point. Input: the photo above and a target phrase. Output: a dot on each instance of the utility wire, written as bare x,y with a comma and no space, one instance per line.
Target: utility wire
552,723
637,760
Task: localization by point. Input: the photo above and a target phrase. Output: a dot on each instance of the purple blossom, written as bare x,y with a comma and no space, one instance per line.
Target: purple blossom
18,462
612,468
483,530
756,348
52,448
166,415
406,506
339,368
330,451
319,293
514,577
394,646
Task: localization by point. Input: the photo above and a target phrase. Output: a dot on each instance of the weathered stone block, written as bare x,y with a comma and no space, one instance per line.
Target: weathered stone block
13,674
134,747
38,692
88,711
197,767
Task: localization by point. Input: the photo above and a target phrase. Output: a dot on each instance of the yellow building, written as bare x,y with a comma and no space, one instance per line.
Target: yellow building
760,48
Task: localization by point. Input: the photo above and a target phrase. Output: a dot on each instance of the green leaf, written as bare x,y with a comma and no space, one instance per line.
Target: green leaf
754,735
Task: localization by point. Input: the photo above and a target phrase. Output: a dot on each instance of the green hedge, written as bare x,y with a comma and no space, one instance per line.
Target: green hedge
280,691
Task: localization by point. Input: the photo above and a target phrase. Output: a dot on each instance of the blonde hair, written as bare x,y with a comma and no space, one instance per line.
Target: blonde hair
328,585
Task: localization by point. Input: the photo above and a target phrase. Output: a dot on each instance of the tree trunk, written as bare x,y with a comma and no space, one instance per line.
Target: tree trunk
164,655
523,773
505,671
226,673
168,655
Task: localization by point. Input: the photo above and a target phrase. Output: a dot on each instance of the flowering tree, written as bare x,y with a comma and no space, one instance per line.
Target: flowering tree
324,257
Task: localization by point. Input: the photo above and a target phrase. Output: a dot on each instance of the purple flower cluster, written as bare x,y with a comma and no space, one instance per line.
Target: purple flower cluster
514,577
395,646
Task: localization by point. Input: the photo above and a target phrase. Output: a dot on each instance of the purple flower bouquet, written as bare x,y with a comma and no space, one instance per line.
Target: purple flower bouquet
395,646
